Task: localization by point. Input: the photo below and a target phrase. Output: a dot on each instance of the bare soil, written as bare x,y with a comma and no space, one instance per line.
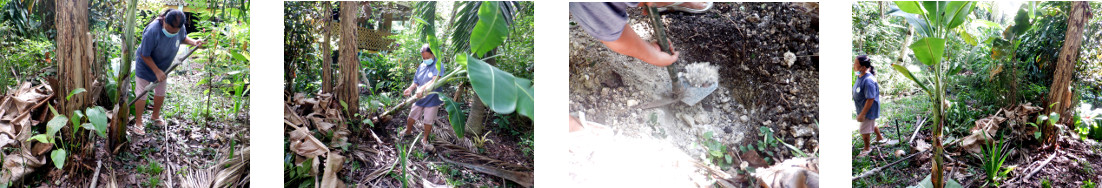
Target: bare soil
747,41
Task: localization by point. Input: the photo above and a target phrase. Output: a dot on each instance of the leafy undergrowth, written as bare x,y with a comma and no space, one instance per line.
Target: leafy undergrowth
363,160
189,141
1073,166
165,155
430,167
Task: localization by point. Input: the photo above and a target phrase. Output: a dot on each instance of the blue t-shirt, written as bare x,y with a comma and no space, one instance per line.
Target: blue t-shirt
604,21
159,47
424,74
866,88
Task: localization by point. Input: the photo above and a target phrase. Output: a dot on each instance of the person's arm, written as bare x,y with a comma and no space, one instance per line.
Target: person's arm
409,89
193,42
864,110
631,44
153,66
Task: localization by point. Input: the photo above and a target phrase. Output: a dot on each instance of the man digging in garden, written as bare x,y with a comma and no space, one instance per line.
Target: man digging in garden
160,43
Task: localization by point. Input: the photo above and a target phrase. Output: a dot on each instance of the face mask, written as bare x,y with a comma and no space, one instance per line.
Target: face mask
169,35
426,62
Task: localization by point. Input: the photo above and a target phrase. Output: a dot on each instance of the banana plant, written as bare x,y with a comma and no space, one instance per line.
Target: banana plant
1005,48
501,91
934,22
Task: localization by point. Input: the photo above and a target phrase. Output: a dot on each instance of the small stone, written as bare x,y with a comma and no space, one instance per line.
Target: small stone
805,131
688,119
744,118
632,102
789,58
701,118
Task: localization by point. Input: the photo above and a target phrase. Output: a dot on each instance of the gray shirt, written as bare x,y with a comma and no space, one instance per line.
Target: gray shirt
604,21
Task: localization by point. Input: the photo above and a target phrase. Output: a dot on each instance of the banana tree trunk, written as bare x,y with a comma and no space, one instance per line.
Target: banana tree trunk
937,177
347,91
1061,94
122,111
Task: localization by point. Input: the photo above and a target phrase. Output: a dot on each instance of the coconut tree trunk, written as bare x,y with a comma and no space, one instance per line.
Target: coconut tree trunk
349,66
122,110
74,54
326,57
1061,94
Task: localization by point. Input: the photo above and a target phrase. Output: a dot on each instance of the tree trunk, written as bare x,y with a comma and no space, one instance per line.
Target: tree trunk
326,57
1060,93
122,110
347,91
74,54
478,109
476,116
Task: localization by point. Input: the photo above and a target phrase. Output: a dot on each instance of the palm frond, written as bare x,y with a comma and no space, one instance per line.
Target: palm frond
425,14
466,16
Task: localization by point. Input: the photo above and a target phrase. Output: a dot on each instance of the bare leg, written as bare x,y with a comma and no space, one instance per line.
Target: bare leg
139,110
879,136
158,102
865,137
631,44
428,132
409,126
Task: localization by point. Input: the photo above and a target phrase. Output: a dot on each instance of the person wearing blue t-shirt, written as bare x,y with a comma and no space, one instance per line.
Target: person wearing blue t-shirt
160,42
424,111
866,97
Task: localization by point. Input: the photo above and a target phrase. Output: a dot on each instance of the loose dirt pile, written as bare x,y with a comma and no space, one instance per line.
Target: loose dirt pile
757,87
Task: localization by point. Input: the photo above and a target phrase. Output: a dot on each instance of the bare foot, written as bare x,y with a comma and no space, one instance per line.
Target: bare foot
694,5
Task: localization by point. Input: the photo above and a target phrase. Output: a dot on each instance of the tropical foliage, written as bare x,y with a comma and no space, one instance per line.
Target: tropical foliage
968,60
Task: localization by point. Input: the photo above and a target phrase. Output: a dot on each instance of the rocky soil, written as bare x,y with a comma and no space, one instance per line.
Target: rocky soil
758,88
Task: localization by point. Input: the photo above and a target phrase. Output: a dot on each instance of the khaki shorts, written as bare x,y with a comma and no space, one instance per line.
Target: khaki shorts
158,91
424,115
867,126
